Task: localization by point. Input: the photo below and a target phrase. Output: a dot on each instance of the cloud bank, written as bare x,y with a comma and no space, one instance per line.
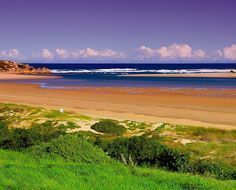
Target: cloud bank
60,54
88,53
230,52
10,54
172,53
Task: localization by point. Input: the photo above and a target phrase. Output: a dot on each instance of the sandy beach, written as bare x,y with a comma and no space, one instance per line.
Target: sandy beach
208,108
9,76
207,75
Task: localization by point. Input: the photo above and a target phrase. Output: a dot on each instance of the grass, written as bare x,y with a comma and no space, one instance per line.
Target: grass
21,116
57,114
84,117
218,152
133,125
22,171
204,143
66,115
206,134
209,143
17,169
202,138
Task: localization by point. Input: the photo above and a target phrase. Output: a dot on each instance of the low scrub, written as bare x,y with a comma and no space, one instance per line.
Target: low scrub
20,138
70,148
146,151
210,169
109,126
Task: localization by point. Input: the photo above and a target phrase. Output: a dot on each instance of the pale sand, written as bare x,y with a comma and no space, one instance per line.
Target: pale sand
195,75
9,76
150,105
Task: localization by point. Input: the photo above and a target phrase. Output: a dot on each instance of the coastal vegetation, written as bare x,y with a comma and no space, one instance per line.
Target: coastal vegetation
109,126
43,148
21,170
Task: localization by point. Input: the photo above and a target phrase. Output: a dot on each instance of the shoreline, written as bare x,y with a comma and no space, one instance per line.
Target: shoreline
193,75
188,91
149,105
15,76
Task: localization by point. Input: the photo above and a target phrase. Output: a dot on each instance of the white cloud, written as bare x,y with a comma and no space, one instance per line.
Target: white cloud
88,53
230,52
176,51
106,53
10,54
46,54
111,53
199,54
171,52
147,52
61,53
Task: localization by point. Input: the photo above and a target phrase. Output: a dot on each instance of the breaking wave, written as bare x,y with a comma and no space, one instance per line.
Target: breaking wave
133,70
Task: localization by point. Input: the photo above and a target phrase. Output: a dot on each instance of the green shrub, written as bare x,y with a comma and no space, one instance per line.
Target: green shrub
70,148
68,125
172,160
210,169
19,138
3,130
2,124
146,151
109,126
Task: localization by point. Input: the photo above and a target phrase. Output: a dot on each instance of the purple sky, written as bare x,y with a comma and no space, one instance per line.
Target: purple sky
118,30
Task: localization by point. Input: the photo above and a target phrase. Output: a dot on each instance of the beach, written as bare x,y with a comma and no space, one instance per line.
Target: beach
206,107
12,76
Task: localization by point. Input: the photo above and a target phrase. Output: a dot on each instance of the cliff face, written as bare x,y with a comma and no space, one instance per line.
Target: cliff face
13,67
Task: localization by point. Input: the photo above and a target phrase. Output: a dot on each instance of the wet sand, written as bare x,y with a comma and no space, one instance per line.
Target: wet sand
208,108
8,76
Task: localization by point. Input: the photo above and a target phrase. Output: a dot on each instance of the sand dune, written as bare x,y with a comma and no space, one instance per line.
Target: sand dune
189,107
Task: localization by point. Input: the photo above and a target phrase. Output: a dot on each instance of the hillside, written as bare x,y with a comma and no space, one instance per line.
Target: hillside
204,143
22,171
48,149
13,67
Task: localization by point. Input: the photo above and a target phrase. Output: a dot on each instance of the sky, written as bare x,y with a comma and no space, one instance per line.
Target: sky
118,30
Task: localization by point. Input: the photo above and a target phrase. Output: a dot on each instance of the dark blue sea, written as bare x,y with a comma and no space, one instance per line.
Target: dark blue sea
115,75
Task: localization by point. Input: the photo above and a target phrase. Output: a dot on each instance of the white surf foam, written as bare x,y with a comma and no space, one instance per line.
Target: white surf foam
133,70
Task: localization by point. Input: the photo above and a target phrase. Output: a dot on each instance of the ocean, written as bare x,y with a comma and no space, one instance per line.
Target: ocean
114,75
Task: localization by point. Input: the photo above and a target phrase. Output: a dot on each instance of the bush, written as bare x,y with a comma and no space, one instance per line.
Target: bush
210,169
173,160
109,126
19,138
70,148
3,130
146,151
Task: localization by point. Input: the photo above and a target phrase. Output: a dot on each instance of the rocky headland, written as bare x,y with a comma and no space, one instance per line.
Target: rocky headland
19,68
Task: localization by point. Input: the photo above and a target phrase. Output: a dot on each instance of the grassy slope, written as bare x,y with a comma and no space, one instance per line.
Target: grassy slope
205,143
22,171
